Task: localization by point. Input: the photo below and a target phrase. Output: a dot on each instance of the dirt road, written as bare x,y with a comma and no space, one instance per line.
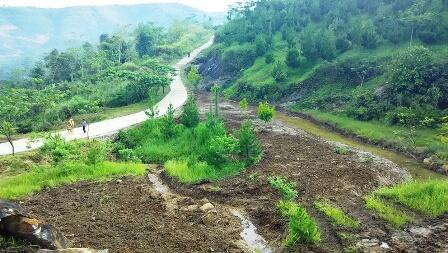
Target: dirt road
177,97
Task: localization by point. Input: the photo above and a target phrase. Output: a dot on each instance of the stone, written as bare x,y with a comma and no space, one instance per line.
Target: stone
192,208
15,222
402,241
210,218
428,162
420,231
207,207
445,168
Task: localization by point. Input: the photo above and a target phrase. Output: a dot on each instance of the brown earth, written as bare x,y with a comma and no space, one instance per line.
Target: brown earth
129,216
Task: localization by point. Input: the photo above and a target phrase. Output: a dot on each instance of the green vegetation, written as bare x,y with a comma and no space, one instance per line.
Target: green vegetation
287,189
341,151
193,152
265,112
345,58
194,78
125,68
8,130
388,212
6,242
429,197
301,227
244,104
336,215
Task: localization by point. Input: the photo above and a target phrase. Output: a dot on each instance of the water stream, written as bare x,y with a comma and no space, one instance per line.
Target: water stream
250,236
417,170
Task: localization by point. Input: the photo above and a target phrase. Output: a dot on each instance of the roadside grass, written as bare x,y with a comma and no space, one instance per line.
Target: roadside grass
69,172
336,215
386,211
428,197
379,132
301,227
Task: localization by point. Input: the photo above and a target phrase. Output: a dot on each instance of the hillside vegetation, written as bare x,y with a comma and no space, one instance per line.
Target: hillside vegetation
372,63
87,81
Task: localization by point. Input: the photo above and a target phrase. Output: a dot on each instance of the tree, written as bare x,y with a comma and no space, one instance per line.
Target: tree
168,123
215,94
147,38
7,129
190,114
294,58
244,105
265,112
279,72
249,147
194,78
153,111
417,16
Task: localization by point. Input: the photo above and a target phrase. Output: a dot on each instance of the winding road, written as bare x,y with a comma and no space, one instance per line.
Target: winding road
177,97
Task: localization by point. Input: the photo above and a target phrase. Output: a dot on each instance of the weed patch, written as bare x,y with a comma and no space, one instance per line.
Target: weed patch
336,215
395,217
287,189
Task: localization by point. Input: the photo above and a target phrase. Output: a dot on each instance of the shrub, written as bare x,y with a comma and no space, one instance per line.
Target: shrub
294,58
127,155
96,153
244,105
269,58
221,149
190,114
279,72
265,112
341,151
287,189
168,123
301,227
249,147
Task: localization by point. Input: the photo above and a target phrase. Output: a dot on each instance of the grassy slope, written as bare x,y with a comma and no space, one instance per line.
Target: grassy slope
427,140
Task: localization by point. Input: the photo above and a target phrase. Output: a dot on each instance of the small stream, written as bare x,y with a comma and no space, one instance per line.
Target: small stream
417,169
253,240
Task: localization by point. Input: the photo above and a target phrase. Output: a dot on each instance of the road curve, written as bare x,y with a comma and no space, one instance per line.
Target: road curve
177,97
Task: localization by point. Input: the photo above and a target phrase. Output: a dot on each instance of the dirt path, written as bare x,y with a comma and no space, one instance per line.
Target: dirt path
177,97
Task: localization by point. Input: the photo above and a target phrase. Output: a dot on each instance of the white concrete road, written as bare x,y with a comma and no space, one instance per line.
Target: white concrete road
177,97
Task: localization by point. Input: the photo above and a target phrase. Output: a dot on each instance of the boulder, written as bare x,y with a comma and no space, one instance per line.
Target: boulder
211,218
15,222
207,207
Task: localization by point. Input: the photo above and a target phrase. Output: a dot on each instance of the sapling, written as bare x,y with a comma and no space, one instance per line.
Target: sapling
7,129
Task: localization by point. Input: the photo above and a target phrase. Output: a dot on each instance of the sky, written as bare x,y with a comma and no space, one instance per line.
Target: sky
206,5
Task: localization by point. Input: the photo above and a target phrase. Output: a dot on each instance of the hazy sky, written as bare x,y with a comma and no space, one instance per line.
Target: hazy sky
207,5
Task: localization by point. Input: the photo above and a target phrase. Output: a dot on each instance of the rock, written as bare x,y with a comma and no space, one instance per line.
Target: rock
420,231
370,246
210,218
73,250
402,241
192,208
428,162
207,207
445,168
119,181
15,222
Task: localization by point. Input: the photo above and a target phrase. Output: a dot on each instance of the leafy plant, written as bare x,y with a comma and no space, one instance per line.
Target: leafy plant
96,153
341,151
249,147
266,112
287,189
279,72
168,123
190,114
244,105
221,149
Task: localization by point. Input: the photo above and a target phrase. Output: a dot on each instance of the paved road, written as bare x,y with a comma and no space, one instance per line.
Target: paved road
177,97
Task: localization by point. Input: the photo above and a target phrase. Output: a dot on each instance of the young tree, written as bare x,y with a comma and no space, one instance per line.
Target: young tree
153,111
190,114
249,147
194,77
215,94
266,112
168,123
7,129
279,72
244,105
294,58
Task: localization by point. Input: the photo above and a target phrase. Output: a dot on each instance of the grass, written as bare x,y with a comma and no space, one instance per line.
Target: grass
336,215
42,177
287,189
8,241
429,197
199,171
301,227
389,213
341,151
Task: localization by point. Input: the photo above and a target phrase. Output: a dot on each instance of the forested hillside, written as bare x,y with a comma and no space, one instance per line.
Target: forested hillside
27,32
90,81
361,65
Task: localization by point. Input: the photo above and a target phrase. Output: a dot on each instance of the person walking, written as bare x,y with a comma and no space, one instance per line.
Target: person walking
84,126
70,125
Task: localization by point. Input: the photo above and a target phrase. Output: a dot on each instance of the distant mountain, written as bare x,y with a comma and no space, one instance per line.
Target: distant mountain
28,32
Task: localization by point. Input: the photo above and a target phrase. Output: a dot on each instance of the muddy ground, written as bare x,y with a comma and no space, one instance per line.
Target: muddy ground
129,216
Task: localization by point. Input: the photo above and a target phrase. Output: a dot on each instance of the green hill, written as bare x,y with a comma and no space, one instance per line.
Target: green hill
364,63
27,32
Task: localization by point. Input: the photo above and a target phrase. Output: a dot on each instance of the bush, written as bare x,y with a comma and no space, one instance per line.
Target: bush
294,58
238,57
244,105
269,58
168,123
265,112
279,72
287,189
190,114
301,227
221,149
97,151
249,147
